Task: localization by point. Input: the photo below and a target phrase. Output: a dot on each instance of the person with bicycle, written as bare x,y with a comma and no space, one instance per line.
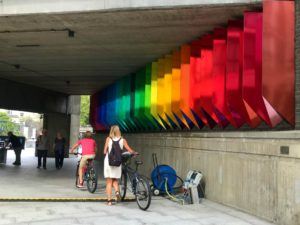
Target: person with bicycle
113,173
89,147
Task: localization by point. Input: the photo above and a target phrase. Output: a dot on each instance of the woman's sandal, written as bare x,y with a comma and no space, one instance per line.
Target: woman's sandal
109,202
118,196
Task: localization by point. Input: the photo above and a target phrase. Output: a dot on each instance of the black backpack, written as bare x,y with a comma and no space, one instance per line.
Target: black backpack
115,154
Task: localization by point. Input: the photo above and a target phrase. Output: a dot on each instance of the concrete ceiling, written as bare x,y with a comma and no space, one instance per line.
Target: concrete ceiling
36,49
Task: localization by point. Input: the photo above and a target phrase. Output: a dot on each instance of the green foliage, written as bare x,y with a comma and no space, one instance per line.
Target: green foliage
84,110
6,124
30,122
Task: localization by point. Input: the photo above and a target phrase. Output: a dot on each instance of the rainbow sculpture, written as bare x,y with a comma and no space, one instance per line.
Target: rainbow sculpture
239,75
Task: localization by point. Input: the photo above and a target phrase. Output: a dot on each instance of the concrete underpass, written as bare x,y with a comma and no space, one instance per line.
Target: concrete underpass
54,51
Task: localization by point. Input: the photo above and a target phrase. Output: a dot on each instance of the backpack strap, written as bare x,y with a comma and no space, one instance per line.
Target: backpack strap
116,141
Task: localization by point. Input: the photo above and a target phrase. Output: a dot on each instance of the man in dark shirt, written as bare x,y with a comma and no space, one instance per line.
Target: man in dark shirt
16,145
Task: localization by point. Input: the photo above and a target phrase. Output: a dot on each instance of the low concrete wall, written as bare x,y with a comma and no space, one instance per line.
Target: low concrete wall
244,170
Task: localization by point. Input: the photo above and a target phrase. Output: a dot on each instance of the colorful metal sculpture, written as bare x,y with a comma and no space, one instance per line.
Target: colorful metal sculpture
239,75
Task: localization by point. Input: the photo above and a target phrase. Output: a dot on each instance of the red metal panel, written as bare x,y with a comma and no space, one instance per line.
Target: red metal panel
241,113
195,81
94,112
252,70
185,52
219,75
206,80
194,77
278,57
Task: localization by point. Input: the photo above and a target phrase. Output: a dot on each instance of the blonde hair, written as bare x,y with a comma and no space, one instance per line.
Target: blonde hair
113,131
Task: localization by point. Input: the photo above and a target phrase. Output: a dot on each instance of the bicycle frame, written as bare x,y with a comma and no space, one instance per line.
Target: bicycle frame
88,166
85,169
139,186
132,174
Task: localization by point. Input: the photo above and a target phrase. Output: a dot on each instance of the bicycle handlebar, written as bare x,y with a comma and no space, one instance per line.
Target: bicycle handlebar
75,153
130,154
123,154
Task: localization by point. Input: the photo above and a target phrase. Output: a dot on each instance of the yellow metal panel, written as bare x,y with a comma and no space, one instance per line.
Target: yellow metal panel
154,92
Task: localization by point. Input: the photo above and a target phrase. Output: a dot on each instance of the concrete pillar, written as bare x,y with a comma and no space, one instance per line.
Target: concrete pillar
74,111
57,122
66,123
74,129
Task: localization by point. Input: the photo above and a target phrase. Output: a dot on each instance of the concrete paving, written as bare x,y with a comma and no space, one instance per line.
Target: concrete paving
27,181
162,211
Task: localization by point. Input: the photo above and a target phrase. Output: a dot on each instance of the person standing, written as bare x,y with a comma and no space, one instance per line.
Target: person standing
113,173
16,145
42,146
59,150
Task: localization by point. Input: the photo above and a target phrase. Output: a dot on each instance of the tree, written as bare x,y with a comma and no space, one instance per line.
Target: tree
84,110
31,122
6,124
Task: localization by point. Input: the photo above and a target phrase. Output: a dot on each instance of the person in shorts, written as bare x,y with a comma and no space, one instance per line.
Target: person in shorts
88,145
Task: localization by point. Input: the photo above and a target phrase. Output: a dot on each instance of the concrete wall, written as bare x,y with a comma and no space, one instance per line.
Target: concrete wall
68,123
57,122
11,7
243,170
17,96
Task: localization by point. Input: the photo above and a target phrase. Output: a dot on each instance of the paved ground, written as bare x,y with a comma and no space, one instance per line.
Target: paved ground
162,211
27,181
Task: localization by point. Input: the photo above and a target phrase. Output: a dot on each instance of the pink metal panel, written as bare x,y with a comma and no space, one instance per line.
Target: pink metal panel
240,112
252,69
278,58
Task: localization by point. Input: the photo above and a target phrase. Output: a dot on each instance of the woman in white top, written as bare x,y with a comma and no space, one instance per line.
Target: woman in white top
113,173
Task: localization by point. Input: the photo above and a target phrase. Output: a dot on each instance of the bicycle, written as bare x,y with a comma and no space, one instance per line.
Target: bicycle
89,175
139,185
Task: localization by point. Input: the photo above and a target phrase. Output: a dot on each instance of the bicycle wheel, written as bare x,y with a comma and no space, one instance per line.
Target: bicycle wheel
91,180
77,176
143,193
123,185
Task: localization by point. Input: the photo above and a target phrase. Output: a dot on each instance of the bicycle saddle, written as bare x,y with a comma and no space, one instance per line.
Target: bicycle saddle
138,162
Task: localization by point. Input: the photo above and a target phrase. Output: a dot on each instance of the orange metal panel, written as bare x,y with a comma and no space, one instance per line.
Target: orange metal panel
185,84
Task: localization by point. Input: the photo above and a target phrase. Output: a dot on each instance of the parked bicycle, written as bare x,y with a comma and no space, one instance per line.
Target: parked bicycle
138,184
89,176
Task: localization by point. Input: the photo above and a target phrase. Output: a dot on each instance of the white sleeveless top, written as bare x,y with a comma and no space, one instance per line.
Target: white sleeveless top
112,171
115,139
